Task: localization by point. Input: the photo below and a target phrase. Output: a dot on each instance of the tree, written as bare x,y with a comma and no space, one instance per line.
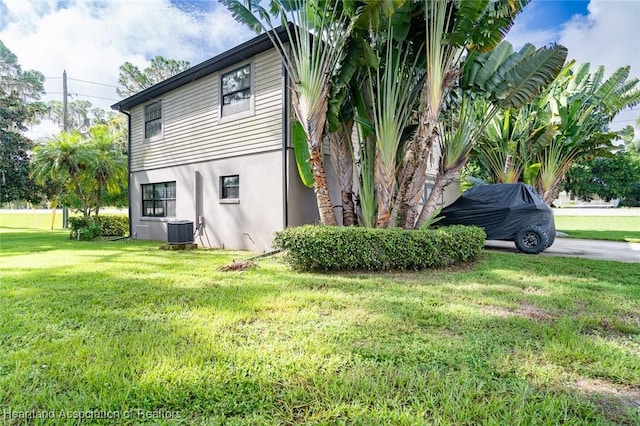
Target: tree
81,115
490,69
320,31
19,104
408,58
133,80
566,123
86,168
615,177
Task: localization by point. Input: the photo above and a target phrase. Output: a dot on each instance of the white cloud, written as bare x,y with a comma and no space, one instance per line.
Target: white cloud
90,39
606,36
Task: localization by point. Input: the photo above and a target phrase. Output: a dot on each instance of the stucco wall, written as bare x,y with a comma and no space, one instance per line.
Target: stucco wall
247,224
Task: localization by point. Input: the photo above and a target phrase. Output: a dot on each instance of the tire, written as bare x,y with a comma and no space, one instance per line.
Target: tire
531,239
552,238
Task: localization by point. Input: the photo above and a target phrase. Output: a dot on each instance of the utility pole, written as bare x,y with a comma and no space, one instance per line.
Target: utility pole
65,127
65,122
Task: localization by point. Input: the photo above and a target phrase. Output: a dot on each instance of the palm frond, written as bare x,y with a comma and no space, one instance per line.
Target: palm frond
487,64
243,12
529,77
495,23
467,15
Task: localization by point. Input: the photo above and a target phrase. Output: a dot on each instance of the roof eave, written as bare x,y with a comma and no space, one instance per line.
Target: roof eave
237,54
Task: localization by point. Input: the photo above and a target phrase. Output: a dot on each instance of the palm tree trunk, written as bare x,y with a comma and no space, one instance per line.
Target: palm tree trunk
320,187
431,205
342,162
417,159
385,182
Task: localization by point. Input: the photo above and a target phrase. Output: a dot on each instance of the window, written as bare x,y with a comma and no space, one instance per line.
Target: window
159,199
230,187
153,120
236,90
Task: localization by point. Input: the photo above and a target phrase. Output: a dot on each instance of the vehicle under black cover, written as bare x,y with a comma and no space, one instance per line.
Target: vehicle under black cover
512,212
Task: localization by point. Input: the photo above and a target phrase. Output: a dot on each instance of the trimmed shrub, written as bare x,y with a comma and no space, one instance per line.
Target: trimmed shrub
333,248
99,226
113,225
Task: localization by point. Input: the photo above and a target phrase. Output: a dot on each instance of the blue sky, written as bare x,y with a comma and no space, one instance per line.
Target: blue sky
543,14
90,39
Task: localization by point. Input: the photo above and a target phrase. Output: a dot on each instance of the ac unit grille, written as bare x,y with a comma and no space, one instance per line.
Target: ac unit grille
180,232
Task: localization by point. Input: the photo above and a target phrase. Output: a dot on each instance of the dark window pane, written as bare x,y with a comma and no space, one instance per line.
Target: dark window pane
158,192
230,186
158,207
236,97
233,193
152,119
171,208
236,80
147,208
147,192
159,199
236,90
171,190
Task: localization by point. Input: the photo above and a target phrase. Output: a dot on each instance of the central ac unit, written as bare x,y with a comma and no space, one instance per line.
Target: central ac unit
180,232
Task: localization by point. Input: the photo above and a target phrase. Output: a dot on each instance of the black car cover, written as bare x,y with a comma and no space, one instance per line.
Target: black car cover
501,209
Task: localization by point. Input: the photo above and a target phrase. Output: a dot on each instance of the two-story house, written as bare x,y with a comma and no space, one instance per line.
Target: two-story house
211,145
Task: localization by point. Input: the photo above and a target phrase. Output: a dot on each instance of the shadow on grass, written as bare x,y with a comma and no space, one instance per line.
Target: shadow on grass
131,326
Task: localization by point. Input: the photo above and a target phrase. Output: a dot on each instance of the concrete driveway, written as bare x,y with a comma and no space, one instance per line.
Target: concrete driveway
574,247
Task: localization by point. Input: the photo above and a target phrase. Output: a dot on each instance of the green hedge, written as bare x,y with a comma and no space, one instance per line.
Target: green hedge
99,226
333,248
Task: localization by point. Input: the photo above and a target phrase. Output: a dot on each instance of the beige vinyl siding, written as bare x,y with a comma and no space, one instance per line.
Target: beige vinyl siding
192,131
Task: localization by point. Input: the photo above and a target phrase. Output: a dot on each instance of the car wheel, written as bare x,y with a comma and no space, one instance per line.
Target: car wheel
552,238
531,239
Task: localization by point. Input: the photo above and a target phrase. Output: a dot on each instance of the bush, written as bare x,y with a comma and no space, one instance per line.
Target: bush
113,225
332,248
99,226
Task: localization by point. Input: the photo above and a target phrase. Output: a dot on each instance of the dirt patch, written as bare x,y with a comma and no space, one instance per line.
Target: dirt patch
525,310
239,266
615,401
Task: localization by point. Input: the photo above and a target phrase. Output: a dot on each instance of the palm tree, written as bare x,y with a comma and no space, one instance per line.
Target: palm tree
510,145
64,159
317,37
582,105
508,80
108,163
454,30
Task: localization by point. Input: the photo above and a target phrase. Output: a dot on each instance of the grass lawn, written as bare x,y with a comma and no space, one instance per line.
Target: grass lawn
136,332
614,228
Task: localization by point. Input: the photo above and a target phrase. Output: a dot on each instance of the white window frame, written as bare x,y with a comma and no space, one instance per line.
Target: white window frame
229,200
144,122
239,114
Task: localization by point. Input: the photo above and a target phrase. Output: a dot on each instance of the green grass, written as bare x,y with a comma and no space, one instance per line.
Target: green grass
614,228
122,327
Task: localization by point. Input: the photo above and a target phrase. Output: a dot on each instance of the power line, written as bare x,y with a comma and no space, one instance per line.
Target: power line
96,97
93,82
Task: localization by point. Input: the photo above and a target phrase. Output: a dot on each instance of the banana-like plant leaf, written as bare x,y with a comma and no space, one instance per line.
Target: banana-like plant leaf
579,77
301,151
494,23
243,14
506,67
489,64
466,20
618,77
530,173
529,77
